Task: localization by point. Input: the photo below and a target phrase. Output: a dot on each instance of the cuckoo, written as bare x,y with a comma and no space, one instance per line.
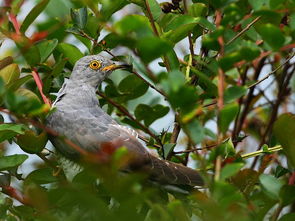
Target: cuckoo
79,118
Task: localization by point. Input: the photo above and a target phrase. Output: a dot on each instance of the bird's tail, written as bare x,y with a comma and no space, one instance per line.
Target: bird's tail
173,173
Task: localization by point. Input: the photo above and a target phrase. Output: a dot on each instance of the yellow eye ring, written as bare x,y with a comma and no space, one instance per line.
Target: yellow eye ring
95,65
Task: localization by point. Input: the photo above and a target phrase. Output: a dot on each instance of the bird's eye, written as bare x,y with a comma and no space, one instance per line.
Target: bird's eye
95,65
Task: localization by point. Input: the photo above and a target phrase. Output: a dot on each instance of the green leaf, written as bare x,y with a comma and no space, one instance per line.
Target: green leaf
10,73
292,21
70,51
226,116
32,55
271,185
18,83
284,130
79,17
42,176
30,142
174,81
33,14
272,35
210,43
288,217
132,87
12,161
110,7
7,131
150,113
46,48
150,48
226,195
179,33
173,60
205,82
133,24
196,131
22,101
249,53
168,148
178,20
230,170
92,28
281,171
155,9
226,149
197,10
229,60
233,93
258,4
287,195
185,99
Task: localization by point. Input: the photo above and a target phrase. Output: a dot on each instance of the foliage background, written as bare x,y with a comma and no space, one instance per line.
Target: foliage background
214,77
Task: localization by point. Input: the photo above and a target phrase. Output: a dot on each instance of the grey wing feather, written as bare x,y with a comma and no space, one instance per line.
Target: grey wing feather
91,131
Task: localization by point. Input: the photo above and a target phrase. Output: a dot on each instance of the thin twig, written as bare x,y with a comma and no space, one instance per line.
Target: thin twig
259,152
272,72
151,19
148,83
283,83
277,212
243,31
195,149
247,102
217,168
147,141
208,147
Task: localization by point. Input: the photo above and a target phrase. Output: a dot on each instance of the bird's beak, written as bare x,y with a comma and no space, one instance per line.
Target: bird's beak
116,66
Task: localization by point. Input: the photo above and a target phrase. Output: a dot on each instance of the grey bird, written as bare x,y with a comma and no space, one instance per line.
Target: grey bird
79,118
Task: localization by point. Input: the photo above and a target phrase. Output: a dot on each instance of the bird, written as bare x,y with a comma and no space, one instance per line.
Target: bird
78,117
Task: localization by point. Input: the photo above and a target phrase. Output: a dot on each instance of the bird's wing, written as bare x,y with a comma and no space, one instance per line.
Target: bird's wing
89,130
92,132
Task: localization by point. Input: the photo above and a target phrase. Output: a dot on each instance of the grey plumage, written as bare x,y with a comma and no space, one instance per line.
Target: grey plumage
80,119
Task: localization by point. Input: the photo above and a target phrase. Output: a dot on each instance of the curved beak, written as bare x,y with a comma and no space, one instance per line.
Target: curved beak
117,65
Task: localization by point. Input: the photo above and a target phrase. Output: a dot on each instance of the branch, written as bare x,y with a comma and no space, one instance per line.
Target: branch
243,31
15,23
259,152
283,83
151,19
15,194
239,123
207,147
273,72
148,83
40,86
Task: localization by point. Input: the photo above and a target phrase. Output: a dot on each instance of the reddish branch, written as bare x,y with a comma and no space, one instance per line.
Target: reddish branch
15,194
292,179
15,23
40,86
247,102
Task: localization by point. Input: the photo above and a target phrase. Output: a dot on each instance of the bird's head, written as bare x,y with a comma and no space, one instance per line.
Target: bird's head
93,69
